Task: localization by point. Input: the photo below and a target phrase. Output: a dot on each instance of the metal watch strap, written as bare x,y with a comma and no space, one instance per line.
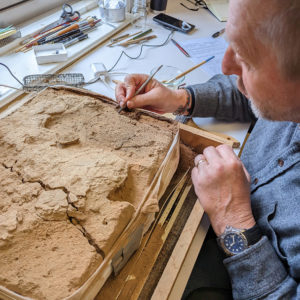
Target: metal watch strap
253,235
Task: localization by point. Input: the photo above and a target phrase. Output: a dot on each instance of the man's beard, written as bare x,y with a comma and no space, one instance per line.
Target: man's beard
257,113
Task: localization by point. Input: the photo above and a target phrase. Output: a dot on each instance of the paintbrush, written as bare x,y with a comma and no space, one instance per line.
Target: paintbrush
143,85
187,71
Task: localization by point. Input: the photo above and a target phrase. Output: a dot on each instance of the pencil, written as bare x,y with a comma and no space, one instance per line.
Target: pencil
180,48
143,85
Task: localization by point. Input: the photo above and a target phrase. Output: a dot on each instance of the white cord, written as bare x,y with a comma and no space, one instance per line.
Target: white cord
10,87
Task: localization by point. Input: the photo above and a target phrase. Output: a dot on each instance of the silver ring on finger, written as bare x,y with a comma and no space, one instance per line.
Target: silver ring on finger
201,161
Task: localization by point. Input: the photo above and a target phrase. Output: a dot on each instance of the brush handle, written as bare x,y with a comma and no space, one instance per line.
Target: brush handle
189,70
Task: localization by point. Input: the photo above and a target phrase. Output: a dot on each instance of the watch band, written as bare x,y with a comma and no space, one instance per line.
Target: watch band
234,241
253,235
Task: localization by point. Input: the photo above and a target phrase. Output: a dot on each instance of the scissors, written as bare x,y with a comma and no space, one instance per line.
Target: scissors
67,16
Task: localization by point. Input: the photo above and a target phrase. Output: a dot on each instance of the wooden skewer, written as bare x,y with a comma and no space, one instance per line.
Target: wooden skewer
147,38
187,71
121,38
115,81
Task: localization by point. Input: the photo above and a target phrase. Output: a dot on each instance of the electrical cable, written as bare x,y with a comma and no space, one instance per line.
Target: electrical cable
141,51
108,71
2,64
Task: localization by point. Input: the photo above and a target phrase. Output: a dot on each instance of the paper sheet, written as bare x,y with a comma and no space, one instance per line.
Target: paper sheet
203,48
219,8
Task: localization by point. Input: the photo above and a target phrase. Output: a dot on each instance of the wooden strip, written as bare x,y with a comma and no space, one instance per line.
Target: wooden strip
167,280
176,211
188,133
231,141
136,279
190,259
170,203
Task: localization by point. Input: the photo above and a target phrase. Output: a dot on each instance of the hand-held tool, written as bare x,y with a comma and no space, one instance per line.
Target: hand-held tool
143,85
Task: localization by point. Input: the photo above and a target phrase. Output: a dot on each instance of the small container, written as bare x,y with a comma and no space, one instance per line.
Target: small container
50,53
112,10
158,6
139,11
166,73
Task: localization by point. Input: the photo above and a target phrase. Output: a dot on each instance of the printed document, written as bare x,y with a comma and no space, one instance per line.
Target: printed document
203,48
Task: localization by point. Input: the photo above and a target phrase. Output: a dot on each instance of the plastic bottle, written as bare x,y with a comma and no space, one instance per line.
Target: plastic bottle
139,9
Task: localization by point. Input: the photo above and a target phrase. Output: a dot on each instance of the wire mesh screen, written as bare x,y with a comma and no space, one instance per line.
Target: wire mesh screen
40,81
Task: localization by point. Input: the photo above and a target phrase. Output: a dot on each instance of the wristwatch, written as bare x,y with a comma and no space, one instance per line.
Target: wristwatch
234,241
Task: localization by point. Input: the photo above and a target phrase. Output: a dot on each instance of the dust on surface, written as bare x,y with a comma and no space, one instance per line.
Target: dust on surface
72,173
187,158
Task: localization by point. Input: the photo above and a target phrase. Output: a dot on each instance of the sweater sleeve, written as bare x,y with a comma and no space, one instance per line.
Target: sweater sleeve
220,98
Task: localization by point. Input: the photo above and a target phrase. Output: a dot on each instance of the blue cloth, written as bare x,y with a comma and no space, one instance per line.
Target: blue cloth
270,269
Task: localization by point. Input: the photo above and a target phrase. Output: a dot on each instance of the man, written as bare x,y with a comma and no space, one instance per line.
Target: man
264,52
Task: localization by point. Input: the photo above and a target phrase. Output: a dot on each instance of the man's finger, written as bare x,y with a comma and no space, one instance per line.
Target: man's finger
211,154
226,151
132,83
246,173
195,176
200,161
140,101
120,92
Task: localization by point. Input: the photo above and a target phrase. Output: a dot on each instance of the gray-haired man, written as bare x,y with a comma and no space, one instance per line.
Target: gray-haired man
257,221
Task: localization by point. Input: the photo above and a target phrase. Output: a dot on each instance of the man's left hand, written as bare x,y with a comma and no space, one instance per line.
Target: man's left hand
222,185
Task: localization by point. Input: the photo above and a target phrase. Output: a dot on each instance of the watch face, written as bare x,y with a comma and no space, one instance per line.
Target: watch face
235,243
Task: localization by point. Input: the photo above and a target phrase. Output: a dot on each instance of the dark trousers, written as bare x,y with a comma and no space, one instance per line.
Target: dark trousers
209,278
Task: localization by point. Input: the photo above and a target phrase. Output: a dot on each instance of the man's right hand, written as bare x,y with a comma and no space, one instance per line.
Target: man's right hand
155,96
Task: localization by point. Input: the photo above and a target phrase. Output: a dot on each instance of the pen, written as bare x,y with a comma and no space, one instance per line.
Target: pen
218,33
144,84
76,40
180,48
69,38
58,38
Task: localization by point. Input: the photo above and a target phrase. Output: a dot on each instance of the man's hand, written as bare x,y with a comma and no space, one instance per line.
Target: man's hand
222,185
155,97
